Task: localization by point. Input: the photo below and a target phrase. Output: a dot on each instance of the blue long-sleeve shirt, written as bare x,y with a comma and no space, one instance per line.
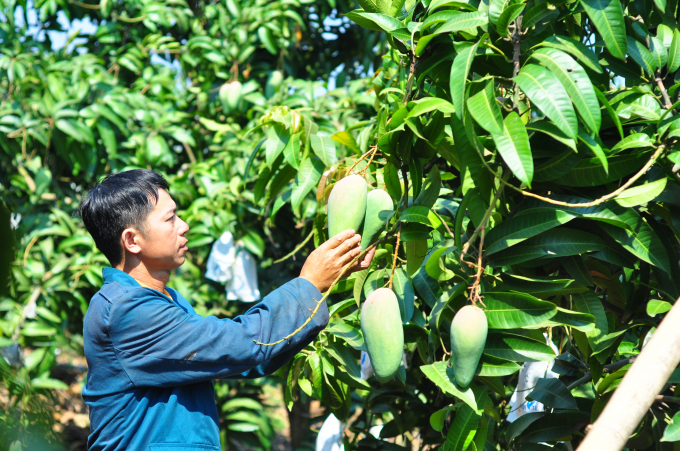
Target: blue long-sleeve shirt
151,360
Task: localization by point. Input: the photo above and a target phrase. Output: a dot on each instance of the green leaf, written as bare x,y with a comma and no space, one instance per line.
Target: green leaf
435,267
459,73
430,192
641,55
553,393
419,214
552,243
346,139
579,321
575,48
428,104
324,148
577,83
641,194
589,303
555,426
589,172
443,377
639,239
517,348
556,166
494,367
520,424
403,289
513,145
607,15
674,52
524,226
661,4
361,277
485,110
277,139
672,431
516,310
550,129
539,286
595,147
463,21
655,307
610,110
48,383
463,429
370,6
658,51
547,93
538,13
508,16
306,179
351,335
634,141
374,21
292,151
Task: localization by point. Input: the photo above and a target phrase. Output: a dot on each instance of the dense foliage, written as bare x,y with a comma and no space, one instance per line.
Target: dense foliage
149,88
529,151
528,147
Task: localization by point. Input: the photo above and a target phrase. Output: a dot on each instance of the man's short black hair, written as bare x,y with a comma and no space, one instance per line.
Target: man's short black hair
120,201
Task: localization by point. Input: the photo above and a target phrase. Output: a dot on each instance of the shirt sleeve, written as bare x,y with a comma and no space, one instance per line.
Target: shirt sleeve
160,345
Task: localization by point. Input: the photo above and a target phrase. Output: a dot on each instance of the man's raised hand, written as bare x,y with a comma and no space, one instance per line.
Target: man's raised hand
325,264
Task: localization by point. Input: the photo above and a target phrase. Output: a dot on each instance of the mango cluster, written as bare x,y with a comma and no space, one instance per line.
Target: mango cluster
350,206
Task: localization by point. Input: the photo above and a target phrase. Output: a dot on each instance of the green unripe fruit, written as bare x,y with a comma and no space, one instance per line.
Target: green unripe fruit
273,82
383,332
376,201
468,337
230,96
347,205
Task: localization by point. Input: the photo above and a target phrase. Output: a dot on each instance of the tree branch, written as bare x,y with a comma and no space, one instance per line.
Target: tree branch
328,292
297,248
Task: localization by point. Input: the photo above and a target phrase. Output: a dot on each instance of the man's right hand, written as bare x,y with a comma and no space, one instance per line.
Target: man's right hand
325,264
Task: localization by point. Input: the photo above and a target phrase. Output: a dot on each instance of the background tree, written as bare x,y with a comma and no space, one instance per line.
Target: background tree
528,148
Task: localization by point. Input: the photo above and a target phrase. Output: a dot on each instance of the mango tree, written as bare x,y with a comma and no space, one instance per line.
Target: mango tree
528,148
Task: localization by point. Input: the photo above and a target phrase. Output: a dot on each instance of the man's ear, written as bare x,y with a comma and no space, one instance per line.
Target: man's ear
130,237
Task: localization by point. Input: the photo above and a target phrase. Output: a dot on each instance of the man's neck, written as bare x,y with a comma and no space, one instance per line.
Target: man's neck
144,275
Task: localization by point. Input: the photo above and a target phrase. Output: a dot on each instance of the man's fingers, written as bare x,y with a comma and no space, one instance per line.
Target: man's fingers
340,238
366,262
348,245
350,255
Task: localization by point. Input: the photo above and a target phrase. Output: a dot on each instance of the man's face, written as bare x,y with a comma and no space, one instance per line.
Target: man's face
163,244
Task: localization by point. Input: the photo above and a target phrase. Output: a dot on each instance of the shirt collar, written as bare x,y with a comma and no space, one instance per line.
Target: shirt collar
116,275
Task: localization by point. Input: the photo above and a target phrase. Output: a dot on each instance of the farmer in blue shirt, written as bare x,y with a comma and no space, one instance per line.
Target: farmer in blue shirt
151,358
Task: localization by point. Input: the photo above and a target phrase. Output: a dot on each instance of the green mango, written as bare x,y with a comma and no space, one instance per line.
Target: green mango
230,96
469,329
347,205
273,82
383,332
376,201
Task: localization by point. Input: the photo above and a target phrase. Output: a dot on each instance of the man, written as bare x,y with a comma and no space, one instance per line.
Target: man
151,359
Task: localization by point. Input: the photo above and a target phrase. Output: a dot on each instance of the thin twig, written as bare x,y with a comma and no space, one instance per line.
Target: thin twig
328,292
394,259
297,248
516,41
485,219
602,199
84,5
371,150
370,160
662,88
612,367
474,290
446,227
